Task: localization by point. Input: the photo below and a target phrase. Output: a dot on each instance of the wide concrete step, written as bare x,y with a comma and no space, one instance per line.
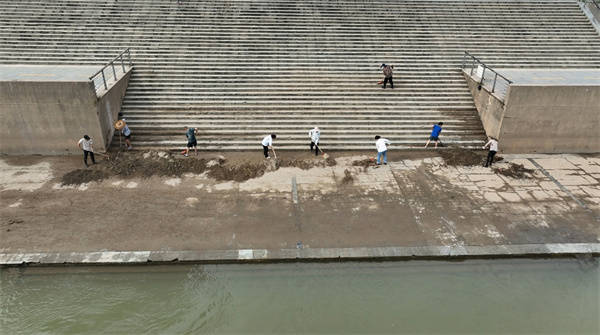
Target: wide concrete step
240,69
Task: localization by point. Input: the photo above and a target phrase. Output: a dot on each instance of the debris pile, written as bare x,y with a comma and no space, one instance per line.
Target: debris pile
516,171
465,157
165,164
365,163
348,179
82,176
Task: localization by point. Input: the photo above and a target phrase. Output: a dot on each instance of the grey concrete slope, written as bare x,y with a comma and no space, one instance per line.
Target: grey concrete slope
238,70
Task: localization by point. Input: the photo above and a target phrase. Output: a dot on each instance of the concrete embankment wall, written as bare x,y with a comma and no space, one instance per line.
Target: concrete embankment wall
541,118
46,117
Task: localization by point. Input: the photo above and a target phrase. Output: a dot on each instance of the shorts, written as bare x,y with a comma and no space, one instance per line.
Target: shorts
128,136
192,144
434,138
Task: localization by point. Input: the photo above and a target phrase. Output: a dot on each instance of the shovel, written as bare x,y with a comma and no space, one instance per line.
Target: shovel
325,156
101,154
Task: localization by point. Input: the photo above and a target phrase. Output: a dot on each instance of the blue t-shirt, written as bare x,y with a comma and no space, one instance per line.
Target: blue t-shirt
436,131
190,135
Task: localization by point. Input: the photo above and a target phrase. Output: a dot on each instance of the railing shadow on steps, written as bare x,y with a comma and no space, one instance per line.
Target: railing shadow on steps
495,82
101,78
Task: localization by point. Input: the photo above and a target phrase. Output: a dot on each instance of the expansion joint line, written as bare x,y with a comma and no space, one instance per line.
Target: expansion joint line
561,186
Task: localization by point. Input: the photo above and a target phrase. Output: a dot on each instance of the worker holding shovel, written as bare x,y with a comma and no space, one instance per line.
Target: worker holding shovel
87,145
267,143
314,135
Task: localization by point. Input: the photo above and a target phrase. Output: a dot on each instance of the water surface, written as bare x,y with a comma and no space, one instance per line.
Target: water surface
557,296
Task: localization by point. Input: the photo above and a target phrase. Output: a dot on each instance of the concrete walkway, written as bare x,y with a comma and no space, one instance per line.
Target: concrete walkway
413,207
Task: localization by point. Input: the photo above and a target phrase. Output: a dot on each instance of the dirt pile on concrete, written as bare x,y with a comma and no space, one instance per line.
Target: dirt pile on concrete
82,176
153,163
365,163
516,171
305,164
240,172
348,178
462,157
465,157
165,164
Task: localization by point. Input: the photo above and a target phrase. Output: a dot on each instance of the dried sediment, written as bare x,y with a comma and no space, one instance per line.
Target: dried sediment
82,176
516,171
465,157
348,178
164,164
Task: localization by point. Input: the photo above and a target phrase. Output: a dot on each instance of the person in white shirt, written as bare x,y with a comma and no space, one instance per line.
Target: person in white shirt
493,145
381,145
267,143
87,145
314,135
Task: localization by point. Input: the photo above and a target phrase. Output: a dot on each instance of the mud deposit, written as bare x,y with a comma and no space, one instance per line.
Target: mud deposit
348,179
365,163
464,157
164,164
517,171
306,164
239,173
82,176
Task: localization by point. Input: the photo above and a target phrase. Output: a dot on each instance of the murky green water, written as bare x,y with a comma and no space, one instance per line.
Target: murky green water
485,296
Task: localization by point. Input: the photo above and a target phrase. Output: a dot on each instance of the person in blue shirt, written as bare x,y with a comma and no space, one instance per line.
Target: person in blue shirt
190,133
435,134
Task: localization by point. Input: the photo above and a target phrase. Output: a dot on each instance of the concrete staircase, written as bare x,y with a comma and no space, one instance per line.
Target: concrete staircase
238,70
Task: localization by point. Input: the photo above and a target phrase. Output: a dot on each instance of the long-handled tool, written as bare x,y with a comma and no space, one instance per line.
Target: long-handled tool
325,156
101,154
274,154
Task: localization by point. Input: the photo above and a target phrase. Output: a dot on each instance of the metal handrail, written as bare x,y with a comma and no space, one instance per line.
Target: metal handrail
114,71
474,61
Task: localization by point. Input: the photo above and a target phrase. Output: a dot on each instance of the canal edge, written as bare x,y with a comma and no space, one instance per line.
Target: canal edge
304,254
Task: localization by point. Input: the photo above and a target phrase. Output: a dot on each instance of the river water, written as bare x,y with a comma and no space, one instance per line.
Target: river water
516,296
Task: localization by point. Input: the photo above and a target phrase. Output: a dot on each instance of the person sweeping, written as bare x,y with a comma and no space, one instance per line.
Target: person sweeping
315,135
267,143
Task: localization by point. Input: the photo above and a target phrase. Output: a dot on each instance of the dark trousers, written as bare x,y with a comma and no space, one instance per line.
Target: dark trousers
266,151
490,158
313,144
85,154
385,81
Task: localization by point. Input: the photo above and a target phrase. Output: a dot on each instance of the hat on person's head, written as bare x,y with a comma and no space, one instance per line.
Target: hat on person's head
120,124
87,138
317,128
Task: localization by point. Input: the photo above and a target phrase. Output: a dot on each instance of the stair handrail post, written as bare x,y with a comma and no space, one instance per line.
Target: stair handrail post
122,64
472,65
482,74
113,68
129,57
495,77
104,80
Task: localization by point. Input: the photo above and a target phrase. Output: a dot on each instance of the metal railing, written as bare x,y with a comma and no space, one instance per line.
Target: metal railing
482,68
100,78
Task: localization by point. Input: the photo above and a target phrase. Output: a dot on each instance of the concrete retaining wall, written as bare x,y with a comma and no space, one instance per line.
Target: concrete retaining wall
47,117
489,107
541,119
551,119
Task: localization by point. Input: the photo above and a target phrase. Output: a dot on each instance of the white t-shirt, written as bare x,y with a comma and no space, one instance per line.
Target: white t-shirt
267,141
86,145
381,144
493,145
126,131
314,135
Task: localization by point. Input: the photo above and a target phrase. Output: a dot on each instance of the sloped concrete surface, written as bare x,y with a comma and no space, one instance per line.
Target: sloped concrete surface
413,207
